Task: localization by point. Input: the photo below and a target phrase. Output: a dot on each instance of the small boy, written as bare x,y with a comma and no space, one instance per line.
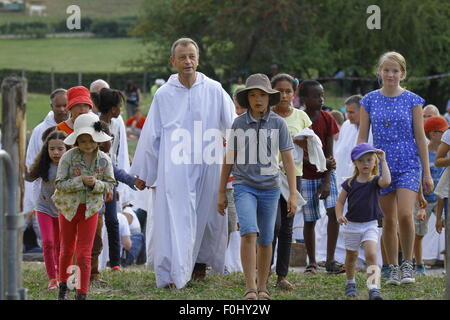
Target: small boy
434,128
316,185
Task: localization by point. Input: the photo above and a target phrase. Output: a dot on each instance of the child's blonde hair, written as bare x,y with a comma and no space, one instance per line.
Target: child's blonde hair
374,173
396,57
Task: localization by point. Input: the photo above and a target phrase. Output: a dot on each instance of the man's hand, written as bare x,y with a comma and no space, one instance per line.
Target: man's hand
140,184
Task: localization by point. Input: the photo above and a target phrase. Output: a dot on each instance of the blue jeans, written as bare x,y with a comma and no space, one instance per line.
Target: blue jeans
137,245
257,211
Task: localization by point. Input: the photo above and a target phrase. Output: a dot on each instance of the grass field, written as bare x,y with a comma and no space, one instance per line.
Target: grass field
139,284
69,55
56,10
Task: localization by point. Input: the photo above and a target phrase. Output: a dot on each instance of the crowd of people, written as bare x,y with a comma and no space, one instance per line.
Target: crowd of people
369,174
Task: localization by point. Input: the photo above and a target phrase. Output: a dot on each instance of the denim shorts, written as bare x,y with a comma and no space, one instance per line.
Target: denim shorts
257,211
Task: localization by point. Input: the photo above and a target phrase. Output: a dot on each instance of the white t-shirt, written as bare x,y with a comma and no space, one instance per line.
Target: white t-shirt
446,137
124,228
135,226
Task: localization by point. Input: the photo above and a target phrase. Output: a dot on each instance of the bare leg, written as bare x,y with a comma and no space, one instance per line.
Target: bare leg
418,249
264,258
388,205
350,264
332,234
248,259
310,241
405,202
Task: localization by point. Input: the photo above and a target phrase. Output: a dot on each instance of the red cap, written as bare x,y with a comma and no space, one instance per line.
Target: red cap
435,123
78,94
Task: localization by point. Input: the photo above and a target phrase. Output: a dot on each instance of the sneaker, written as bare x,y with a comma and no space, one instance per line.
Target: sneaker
374,294
53,284
394,275
350,290
407,272
116,269
385,271
420,270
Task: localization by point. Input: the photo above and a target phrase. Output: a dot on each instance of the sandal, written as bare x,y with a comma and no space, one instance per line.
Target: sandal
246,297
311,268
334,267
284,285
264,295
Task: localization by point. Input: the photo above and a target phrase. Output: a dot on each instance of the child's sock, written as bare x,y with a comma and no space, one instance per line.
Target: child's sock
351,281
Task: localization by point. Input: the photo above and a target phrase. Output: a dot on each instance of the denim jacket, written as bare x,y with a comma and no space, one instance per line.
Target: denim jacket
70,190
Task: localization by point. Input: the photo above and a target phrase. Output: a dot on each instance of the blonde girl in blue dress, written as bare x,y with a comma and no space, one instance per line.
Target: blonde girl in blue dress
395,115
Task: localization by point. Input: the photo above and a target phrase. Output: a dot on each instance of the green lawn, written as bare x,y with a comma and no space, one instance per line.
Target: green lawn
56,10
69,55
138,284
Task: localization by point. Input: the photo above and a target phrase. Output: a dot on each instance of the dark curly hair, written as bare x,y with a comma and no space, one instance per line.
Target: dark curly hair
107,99
41,165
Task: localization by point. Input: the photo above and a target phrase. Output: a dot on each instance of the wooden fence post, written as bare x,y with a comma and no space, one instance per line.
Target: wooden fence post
14,97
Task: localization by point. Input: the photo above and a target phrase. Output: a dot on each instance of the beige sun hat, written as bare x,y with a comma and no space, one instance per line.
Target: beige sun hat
258,81
88,123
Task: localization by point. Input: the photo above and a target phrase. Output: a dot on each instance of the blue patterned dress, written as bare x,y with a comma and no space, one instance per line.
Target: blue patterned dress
393,132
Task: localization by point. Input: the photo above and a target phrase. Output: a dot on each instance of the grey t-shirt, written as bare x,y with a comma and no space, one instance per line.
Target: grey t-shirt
257,143
44,202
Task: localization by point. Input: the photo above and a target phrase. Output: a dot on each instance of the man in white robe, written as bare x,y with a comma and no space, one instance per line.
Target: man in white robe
170,155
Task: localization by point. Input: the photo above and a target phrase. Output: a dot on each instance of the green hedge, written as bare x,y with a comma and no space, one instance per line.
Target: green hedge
100,27
40,82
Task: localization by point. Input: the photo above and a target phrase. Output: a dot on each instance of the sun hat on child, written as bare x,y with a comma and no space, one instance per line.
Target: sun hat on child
88,123
360,150
258,81
77,95
435,123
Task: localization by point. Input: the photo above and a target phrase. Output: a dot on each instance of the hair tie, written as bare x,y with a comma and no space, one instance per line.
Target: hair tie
98,126
296,83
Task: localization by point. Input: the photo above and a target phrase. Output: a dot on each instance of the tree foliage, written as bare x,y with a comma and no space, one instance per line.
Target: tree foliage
304,37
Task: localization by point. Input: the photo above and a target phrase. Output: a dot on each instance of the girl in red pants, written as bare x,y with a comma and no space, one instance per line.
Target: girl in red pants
44,167
84,175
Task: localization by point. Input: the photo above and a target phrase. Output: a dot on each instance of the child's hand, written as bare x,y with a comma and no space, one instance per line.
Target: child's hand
140,184
324,190
292,205
109,197
331,163
342,220
428,185
381,155
439,225
421,214
89,180
422,202
222,203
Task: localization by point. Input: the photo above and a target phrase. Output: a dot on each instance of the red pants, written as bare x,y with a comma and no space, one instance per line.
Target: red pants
50,243
81,231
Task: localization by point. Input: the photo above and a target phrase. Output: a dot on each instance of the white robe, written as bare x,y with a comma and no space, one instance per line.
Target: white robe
186,226
33,149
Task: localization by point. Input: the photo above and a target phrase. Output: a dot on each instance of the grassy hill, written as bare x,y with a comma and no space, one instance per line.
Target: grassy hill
69,55
56,10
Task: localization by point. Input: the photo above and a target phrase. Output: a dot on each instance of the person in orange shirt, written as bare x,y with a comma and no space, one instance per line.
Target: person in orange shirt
80,102
135,124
